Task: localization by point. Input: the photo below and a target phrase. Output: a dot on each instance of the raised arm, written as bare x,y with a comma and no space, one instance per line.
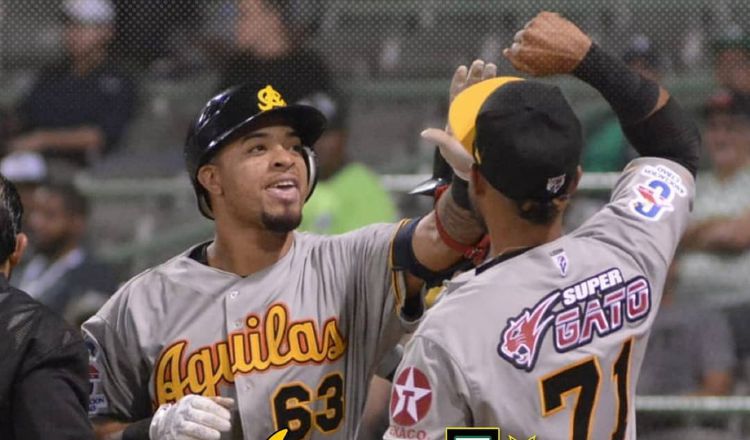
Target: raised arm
451,232
652,121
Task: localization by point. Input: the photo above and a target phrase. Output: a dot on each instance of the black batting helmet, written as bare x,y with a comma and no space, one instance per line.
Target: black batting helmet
237,111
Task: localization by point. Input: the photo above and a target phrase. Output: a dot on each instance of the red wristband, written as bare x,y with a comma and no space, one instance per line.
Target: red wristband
475,252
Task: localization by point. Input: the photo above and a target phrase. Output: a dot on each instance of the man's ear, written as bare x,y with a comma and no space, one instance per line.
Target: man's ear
210,178
563,200
576,181
21,242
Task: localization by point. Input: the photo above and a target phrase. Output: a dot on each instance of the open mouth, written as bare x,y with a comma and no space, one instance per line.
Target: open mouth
284,184
286,190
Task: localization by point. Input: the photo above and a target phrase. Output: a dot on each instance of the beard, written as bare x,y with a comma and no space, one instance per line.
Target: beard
283,223
51,248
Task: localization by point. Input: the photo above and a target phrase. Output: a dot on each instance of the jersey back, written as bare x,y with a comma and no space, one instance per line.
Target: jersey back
550,342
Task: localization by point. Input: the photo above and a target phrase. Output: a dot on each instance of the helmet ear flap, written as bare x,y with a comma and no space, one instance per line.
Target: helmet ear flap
312,170
204,206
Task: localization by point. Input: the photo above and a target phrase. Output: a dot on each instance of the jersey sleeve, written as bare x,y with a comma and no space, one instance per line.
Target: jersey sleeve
647,213
429,393
118,374
377,291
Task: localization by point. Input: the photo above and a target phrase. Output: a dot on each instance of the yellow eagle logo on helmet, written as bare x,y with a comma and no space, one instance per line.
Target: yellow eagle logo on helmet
269,98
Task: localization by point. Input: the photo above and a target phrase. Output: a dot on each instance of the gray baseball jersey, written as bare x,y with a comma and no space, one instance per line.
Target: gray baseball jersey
550,342
294,344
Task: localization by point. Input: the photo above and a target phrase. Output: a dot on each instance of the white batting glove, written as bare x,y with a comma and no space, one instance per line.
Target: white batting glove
452,151
192,418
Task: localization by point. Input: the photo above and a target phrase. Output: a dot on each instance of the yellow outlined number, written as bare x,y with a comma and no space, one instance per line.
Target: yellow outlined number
332,390
291,407
583,378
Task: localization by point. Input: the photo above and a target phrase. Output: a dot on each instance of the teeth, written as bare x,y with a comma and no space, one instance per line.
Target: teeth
284,184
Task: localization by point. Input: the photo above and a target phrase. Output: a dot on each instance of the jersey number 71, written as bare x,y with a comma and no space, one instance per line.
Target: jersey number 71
583,378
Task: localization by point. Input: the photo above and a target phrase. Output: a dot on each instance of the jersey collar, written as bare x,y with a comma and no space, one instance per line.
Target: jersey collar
500,258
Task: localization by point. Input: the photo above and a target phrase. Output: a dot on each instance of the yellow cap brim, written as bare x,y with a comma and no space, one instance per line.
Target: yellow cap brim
463,112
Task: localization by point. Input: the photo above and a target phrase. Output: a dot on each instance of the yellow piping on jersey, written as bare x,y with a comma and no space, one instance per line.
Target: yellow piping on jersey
271,342
396,276
279,435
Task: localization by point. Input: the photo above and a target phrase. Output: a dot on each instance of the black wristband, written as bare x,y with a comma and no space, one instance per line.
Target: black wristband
630,95
405,260
137,430
668,133
460,192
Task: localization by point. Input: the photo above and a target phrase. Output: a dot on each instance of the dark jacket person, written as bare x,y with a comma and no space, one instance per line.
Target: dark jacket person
43,362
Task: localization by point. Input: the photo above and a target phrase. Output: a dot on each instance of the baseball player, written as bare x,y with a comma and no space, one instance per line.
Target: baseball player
546,338
262,328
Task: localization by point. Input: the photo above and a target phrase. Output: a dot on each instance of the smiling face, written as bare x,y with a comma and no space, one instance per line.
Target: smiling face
732,69
259,179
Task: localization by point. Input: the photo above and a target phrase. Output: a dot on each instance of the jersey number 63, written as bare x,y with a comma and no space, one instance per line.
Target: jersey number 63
291,407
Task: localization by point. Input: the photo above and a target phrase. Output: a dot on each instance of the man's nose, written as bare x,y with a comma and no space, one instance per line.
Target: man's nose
282,158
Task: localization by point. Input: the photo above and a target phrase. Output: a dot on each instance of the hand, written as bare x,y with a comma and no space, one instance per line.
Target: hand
463,77
548,45
192,418
452,151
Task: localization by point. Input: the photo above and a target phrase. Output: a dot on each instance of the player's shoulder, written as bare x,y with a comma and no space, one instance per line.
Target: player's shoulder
500,284
659,167
159,273
19,313
463,297
661,175
371,234
151,283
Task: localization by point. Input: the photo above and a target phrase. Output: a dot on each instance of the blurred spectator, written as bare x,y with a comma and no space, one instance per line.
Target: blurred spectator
62,273
43,362
268,46
610,151
79,105
716,265
146,31
348,194
27,171
690,352
643,58
732,64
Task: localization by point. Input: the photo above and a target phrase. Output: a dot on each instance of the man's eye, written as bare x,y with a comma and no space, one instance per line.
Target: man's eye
298,148
257,149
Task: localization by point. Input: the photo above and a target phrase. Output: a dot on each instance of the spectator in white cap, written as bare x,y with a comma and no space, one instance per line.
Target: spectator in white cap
80,104
90,12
